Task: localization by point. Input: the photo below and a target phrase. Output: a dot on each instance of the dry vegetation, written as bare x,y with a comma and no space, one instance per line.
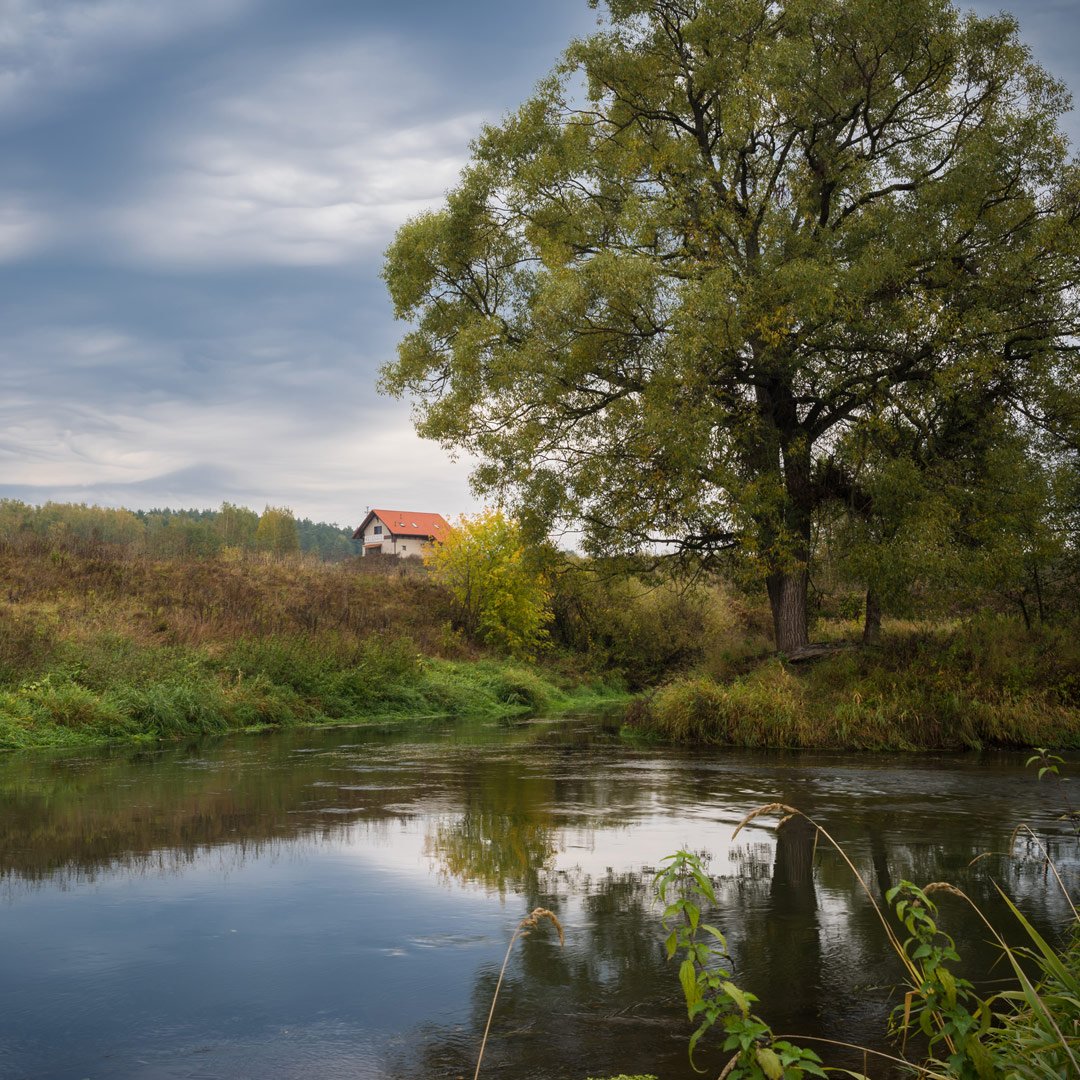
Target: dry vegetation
102,643
99,641
985,681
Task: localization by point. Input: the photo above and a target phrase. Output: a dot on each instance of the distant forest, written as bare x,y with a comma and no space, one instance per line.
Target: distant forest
170,533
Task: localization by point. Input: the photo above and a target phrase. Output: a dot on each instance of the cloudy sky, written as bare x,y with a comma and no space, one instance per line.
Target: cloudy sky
194,200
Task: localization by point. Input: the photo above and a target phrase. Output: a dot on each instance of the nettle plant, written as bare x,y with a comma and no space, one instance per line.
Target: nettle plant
711,997
1031,1029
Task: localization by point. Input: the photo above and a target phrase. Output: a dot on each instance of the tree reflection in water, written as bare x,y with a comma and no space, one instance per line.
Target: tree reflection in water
532,817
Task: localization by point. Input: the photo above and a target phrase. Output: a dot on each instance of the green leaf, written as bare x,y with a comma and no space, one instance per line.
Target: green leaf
982,1059
713,932
688,979
741,1000
1050,961
949,983
671,944
770,1063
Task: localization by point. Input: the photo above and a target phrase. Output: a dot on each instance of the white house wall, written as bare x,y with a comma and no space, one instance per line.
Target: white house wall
402,547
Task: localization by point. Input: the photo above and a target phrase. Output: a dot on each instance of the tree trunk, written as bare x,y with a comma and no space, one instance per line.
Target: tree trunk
871,634
787,598
1038,592
784,529
1024,612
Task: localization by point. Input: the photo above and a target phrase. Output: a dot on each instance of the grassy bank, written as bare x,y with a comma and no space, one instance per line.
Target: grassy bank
102,647
101,643
987,682
184,692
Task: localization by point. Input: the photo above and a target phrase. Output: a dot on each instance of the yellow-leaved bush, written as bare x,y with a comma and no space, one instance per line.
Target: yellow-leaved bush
499,596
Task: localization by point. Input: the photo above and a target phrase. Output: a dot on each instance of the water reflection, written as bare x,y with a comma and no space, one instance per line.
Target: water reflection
337,903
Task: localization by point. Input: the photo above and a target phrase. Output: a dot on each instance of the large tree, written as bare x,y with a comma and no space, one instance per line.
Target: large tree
720,237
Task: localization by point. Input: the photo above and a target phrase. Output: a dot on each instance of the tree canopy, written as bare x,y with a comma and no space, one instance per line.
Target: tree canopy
723,239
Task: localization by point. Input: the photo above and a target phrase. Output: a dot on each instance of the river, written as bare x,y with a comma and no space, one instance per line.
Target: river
336,903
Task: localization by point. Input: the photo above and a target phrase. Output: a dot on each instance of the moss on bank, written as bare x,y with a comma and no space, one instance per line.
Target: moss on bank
984,683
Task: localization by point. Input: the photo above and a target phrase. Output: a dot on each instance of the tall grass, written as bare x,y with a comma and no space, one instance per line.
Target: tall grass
103,647
987,682
1029,1031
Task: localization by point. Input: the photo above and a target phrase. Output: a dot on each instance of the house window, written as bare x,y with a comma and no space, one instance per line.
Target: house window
378,530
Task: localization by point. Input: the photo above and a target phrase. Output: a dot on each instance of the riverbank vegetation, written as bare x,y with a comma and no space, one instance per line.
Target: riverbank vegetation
963,684
727,295
943,1029
99,643
100,639
733,275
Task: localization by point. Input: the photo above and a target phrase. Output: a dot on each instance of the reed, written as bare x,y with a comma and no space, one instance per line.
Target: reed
1030,1031
523,928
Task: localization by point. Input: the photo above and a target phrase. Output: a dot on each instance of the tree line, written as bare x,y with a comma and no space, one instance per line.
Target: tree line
167,533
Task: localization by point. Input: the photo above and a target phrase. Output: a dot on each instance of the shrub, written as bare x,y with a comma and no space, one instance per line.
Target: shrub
173,709
644,631
761,709
26,646
500,595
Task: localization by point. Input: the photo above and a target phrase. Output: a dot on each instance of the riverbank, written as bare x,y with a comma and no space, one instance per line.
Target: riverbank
183,692
975,684
104,647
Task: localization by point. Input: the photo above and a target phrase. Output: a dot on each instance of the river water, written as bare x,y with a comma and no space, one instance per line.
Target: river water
336,903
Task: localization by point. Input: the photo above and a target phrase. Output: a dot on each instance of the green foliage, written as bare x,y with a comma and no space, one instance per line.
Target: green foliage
1030,1031
722,247
988,682
329,542
104,646
164,533
257,684
500,596
646,629
276,531
934,523
712,999
941,1005
26,645
1038,1031
236,526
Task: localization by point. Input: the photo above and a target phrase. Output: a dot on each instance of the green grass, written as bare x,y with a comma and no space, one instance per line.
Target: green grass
115,688
984,683
104,648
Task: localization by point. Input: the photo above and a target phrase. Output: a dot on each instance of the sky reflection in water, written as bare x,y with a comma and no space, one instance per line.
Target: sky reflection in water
337,903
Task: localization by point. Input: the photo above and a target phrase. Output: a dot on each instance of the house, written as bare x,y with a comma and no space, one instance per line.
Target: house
400,532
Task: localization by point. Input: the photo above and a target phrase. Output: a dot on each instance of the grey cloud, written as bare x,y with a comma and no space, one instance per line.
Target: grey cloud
190,307
49,48
312,162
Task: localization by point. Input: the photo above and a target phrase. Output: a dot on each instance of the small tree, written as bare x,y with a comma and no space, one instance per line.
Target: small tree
277,531
499,597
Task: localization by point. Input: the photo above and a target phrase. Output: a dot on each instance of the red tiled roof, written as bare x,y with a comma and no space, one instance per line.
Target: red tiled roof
408,523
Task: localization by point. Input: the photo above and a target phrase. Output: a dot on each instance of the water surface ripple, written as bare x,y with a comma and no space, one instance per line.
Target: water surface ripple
325,904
